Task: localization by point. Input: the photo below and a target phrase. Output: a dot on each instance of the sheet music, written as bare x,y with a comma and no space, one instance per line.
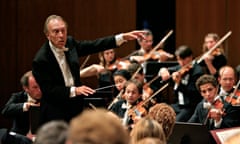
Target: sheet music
225,134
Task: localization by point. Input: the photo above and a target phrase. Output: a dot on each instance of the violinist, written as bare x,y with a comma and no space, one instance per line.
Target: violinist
213,110
147,91
227,79
148,88
213,62
106,58
183,77
146,45
127,108
120,77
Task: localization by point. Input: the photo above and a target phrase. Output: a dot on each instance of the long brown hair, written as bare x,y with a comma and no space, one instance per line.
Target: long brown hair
215,38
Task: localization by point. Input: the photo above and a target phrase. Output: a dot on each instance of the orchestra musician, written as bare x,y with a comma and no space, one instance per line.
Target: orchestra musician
183,76
17,107
133,68
213,110
120,77
148,88
227,79
127,108
214,61
146,45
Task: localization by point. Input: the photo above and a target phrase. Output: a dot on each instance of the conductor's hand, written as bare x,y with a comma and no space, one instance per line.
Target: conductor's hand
84,90
134,35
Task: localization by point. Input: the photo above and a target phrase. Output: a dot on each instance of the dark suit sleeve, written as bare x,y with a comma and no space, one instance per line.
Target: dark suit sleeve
196,115
14,106
231,119
90,47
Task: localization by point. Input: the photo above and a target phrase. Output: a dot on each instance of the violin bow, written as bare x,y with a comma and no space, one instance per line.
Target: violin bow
160,43
235,90
115,99
153,95
92,106
149,98
85,62
214,47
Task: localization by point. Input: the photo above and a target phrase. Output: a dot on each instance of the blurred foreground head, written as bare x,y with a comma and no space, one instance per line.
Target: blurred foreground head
97,127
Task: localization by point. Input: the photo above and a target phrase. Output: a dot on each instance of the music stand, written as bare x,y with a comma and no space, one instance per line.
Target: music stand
189,133
34,116
152,68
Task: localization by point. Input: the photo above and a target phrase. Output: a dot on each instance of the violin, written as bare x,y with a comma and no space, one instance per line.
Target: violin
119,64
185,69
216,111
234,97
234,100
137,112
216,52
218,104
147,91
159,54
212,50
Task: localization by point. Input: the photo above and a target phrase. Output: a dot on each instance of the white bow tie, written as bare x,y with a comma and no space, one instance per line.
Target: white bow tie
60,50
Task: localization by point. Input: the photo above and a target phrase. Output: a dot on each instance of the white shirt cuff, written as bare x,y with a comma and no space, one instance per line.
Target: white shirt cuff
119,39
72,92
25,107
217,124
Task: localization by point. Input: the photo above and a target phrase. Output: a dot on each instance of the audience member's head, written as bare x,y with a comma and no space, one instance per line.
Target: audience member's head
147,127
165,115
150,140
97,127
53,132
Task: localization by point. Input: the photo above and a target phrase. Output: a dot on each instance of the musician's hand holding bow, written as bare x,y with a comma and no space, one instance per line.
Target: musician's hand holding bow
176,76
216,114
28,104
208,59
164,73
